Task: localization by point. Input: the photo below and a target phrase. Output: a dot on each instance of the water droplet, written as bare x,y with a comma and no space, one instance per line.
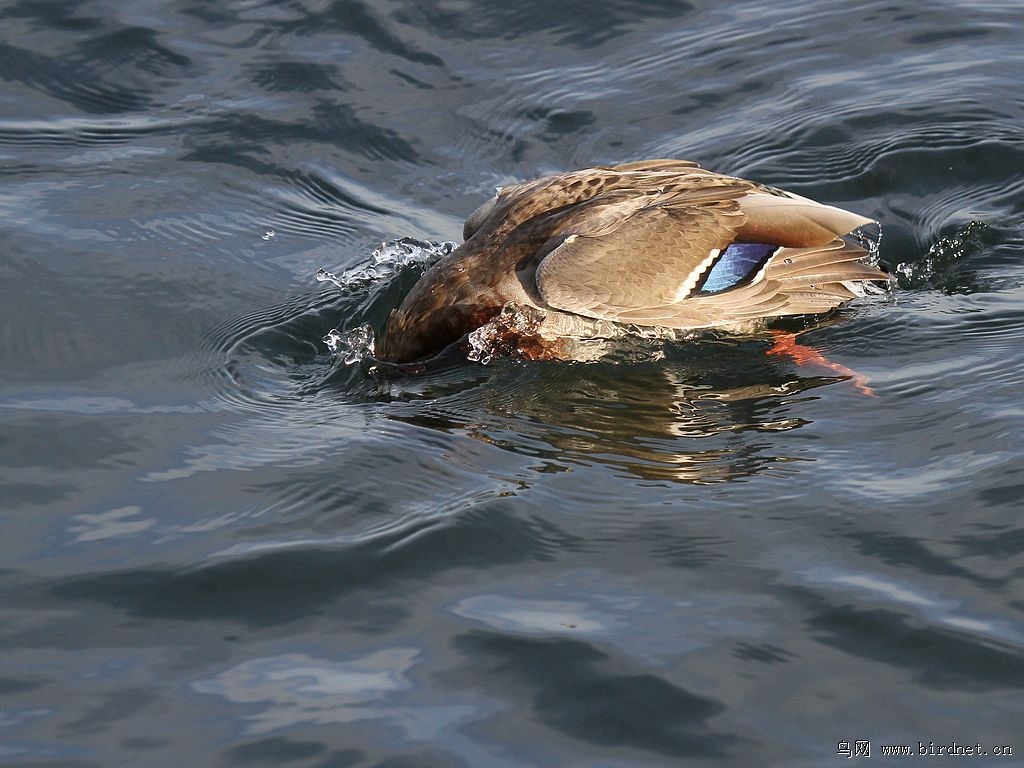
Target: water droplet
332,340
323,276
269,234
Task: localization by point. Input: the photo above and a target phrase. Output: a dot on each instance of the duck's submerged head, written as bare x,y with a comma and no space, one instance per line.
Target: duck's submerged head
659,244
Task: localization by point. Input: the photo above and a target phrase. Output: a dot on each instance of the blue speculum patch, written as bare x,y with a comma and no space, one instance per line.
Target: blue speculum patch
736,265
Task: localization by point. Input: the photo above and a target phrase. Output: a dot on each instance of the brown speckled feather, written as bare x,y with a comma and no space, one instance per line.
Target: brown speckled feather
631,244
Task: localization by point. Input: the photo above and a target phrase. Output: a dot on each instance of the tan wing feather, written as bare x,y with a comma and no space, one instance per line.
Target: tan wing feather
795,221
660,164
636,253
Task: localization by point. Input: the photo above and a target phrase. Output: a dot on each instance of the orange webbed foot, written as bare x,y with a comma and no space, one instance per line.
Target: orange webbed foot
785,343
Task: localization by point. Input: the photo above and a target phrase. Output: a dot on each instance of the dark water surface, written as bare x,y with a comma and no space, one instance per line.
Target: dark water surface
221,545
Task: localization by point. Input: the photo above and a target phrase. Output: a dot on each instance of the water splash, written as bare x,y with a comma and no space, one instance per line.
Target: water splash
353,346
869,237
392,257
942,265
388,260
502,336
516,333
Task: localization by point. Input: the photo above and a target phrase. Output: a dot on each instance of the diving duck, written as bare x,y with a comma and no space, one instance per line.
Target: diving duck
644,246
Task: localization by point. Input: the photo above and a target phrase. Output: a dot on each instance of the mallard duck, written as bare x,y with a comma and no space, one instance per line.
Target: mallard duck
656,244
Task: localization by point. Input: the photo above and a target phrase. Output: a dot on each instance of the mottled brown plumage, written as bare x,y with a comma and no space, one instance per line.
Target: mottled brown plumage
590,252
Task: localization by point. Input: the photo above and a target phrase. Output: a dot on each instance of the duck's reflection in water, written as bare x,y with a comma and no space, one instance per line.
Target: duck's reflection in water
696,417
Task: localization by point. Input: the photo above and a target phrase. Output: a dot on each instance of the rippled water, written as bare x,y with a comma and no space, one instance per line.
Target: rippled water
222,544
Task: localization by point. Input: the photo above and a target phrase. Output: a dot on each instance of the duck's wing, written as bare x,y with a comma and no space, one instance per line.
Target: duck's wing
639,250
671,258
795,281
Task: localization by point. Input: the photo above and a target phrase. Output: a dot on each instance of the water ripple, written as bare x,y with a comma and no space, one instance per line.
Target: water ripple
86,132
